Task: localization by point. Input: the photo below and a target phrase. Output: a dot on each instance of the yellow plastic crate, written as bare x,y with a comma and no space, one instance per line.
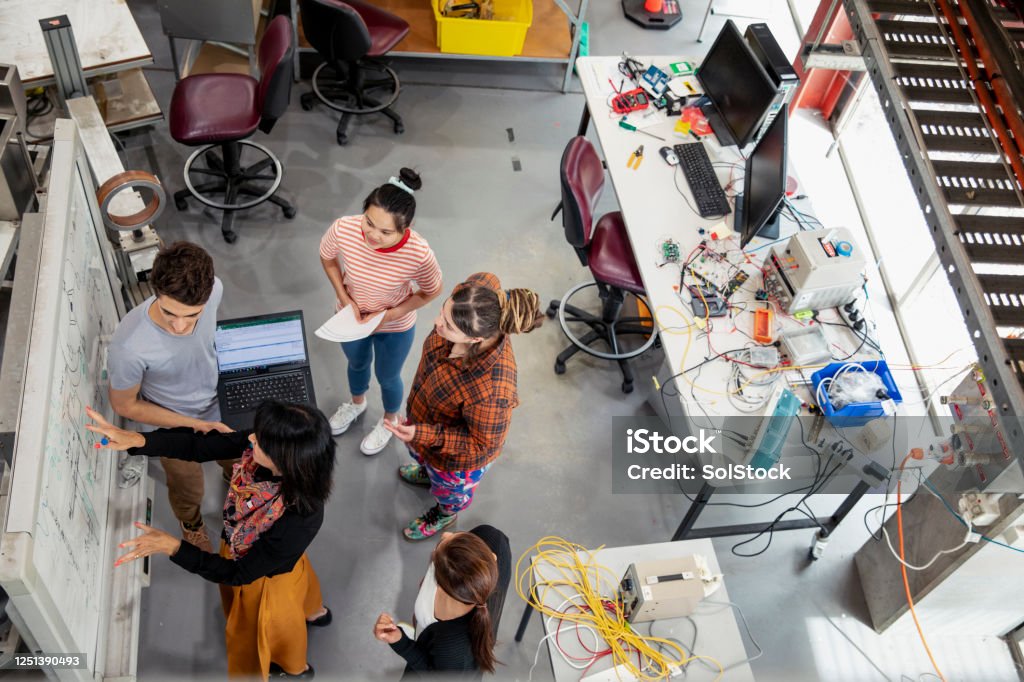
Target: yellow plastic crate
502,36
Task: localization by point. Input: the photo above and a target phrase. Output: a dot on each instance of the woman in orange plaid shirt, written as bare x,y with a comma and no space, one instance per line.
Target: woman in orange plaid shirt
462,398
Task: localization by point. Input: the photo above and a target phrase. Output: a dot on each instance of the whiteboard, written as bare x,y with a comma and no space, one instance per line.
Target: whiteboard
56,551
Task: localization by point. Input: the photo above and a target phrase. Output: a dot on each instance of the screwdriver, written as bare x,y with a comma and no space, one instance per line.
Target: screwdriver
629,126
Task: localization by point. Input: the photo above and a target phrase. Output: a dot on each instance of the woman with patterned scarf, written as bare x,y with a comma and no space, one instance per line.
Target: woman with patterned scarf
274,509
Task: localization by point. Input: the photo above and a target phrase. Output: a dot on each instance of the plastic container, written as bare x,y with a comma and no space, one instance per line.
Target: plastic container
502,36
855,414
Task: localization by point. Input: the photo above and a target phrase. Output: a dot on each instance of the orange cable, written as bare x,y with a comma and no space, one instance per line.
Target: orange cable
903,566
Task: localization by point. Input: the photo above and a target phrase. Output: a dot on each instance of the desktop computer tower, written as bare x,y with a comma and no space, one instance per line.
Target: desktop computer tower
771,56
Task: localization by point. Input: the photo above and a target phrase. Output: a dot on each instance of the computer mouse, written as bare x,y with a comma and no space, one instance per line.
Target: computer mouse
669,156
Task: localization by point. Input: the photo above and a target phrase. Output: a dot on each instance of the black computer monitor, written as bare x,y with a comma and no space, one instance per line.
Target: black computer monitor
740,89
764,184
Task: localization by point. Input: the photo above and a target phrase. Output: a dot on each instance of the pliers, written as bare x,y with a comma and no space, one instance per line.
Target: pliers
636,158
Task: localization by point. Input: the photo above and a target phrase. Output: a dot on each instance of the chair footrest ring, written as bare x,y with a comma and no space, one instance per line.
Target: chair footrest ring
278,174
562,321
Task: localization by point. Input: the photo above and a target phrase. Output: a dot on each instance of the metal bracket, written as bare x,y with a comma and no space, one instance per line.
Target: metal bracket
67,66
845,56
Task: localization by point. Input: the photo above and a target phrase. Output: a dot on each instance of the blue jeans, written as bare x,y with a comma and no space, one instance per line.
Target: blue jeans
387,352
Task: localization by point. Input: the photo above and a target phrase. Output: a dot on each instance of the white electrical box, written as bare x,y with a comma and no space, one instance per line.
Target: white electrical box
815,270
670,588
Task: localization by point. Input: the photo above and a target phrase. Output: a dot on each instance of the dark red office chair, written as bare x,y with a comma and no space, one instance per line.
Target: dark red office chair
223,109
351,36
605,249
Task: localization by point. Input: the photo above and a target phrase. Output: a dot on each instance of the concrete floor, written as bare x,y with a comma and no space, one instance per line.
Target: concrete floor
553,477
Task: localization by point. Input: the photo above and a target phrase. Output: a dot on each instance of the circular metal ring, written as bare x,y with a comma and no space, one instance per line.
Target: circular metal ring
122,181
234,207
596,353
366,110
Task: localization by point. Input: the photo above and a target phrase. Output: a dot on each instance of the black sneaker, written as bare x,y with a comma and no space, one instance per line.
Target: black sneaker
277,671
322,621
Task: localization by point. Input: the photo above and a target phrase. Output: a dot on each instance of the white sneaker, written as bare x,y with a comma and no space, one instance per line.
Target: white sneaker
345,415
377,439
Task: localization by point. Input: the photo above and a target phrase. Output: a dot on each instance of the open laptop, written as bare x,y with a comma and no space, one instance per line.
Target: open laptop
261,357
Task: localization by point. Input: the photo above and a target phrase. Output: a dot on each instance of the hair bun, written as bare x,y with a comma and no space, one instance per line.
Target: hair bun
410,178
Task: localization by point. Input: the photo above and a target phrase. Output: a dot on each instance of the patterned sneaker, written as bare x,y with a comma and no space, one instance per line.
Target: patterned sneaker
432,522
377,439
345,415
199,538
414,474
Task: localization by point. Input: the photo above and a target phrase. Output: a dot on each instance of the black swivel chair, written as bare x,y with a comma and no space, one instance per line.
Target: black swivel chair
351,36
604,248
222,110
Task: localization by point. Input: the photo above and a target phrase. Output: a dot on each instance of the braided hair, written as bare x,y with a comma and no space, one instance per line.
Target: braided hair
482,312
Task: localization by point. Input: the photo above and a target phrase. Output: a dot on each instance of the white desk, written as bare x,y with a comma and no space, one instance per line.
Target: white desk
106,33
718,634
653,209
110,46
653,201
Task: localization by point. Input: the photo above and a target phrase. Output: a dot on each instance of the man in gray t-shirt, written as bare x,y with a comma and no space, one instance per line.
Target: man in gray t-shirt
163,368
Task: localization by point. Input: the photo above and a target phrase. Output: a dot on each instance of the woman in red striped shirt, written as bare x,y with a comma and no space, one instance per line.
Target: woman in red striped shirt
373,261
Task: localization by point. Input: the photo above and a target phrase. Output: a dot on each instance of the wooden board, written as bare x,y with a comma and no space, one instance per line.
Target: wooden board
105,31
547,38
125,99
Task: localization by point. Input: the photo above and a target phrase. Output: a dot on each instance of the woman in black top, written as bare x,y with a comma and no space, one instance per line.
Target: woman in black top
471,572
274,509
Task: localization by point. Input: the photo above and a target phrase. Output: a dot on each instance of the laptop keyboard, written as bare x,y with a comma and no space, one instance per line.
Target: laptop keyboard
247,394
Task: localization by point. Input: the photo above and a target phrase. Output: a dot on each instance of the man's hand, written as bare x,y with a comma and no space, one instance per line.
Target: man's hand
403,432
206,427
385,629
152,541
113,437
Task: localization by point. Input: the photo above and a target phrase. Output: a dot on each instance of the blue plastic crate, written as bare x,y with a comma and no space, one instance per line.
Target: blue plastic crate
855,414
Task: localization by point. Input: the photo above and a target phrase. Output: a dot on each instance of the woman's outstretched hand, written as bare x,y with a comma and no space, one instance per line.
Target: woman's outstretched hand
113,438
152,541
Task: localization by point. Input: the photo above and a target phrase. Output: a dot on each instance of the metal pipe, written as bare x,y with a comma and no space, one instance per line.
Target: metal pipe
981,31
1009,147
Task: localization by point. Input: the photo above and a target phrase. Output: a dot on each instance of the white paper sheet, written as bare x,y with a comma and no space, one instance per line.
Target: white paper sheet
343,326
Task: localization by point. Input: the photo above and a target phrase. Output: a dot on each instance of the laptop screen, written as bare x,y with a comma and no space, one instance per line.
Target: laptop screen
247,344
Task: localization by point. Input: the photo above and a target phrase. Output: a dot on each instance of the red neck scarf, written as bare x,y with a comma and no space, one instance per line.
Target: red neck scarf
251,507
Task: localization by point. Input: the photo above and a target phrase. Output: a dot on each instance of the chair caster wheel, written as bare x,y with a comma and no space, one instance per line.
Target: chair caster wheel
550,313
181,204
627,386
306,101
230,236
342,139
399,129
289,213
559,368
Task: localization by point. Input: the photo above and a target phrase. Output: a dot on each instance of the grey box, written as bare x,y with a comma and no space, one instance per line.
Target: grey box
16,187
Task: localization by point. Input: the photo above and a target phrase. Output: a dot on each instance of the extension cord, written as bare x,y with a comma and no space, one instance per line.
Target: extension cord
868,328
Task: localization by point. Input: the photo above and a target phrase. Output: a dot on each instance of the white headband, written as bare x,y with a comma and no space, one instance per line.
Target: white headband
397,182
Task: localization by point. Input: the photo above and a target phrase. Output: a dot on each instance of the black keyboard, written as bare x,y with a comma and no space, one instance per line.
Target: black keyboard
247,394
707,191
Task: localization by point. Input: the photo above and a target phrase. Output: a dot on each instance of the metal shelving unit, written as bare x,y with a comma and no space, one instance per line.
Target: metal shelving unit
547,40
